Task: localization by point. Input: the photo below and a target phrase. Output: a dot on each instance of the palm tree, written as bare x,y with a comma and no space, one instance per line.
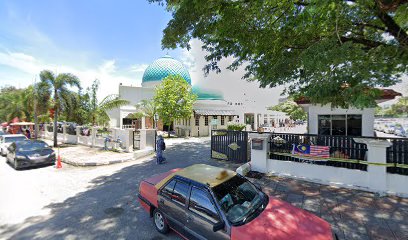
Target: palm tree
148,108
57,85
14,104
98,111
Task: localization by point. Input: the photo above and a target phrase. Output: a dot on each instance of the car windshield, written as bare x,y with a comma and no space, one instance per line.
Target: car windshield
14,139
32,146
239,199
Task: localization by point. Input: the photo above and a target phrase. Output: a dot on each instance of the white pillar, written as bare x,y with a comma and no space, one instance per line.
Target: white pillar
259,157
143,122
376,154
64,133
78,133
93,136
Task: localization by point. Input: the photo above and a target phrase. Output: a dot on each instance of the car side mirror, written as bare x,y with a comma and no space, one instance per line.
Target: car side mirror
218,226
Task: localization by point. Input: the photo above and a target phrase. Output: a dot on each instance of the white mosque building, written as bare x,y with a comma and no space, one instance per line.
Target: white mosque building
210,110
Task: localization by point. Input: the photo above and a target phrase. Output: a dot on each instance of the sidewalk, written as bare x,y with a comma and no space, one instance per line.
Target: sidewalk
353,214
79,155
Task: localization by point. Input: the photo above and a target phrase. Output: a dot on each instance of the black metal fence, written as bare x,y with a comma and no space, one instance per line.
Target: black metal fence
344,152
397,155
230,145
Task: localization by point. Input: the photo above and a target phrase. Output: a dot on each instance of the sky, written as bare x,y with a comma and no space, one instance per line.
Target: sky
110,40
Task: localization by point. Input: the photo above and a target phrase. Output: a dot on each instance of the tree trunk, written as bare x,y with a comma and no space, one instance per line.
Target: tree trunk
35,121
55,119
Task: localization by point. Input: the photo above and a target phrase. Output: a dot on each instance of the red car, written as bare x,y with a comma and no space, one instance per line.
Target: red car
206,202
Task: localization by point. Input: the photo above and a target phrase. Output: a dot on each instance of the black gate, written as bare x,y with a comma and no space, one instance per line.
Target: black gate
136,140
229,145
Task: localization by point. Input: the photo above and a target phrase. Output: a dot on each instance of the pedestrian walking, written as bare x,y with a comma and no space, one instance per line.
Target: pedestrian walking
160,147
28,133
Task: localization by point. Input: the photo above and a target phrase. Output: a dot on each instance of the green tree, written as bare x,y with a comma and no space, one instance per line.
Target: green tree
98,111
174,99
398,109
148,108
293,110
331,51
57,86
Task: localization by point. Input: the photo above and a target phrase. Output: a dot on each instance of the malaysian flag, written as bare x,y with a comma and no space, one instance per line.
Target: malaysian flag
311,150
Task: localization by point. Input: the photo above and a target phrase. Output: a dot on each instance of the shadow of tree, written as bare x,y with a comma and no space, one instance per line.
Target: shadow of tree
109,208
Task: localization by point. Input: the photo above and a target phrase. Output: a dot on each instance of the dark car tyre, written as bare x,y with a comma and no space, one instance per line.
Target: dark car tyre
15,164
160,222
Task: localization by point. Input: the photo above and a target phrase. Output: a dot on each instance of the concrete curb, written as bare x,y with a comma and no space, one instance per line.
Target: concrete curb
93,164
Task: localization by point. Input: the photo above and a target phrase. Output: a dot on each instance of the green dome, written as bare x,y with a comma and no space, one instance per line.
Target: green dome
163,67
205,94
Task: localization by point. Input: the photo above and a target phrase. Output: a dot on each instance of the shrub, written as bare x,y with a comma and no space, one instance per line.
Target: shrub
235,126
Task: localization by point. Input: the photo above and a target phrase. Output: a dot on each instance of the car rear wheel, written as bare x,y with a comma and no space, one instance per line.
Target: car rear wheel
160,222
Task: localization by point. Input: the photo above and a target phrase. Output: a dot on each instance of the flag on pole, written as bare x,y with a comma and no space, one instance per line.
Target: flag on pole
311,150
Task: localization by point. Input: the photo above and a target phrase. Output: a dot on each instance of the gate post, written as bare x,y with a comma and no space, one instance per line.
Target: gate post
377,157
259,151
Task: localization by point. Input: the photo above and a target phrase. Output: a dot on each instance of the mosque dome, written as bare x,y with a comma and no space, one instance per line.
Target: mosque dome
206,94
163,67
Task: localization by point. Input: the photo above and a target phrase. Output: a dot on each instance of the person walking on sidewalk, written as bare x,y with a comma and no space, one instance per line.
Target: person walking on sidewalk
160,147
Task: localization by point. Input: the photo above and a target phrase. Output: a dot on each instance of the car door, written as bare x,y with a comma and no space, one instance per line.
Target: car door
172,203
202,215
11,153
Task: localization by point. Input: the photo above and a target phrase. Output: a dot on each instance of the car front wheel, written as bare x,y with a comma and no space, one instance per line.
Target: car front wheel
160,222
15,164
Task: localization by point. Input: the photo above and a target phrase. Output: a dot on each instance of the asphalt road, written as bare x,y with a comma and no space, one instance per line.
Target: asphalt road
86,203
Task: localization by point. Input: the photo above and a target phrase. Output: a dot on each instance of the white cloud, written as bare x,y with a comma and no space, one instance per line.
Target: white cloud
107,72
139,68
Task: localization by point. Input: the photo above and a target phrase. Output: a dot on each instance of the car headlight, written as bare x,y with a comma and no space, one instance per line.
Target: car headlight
20,157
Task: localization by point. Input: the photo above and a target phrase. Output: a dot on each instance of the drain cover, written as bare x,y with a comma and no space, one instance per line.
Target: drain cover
114,211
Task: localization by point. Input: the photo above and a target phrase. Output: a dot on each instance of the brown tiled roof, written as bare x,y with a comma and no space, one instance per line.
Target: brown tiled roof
386,94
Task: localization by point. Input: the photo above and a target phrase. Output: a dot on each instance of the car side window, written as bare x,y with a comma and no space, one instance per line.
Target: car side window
201,204
167,191
180,192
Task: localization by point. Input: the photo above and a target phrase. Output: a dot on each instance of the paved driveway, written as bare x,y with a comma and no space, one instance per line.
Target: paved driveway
86,203
101,202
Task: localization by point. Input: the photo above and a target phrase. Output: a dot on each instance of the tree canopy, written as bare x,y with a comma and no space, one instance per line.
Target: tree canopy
293,110
174,99
332,51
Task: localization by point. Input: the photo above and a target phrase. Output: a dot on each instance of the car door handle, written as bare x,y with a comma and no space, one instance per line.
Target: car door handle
189,218
161,201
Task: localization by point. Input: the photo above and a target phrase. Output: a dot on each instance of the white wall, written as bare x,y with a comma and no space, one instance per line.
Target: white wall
315,110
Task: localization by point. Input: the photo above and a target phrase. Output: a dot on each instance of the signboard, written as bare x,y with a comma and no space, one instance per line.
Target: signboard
213,122
257,144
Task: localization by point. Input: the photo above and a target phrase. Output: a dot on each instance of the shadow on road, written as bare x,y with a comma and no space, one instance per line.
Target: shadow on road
109,208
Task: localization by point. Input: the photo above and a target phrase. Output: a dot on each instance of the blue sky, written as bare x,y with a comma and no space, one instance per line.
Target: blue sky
108,39
111,40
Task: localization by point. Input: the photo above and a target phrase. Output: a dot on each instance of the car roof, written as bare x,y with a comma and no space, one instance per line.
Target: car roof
13,135
202,173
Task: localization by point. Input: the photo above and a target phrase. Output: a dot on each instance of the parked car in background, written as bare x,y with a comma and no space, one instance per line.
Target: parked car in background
7,140
389,128
30,153
206,202
399,130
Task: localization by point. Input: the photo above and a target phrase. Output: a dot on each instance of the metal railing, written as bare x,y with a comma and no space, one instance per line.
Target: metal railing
344,152
397,156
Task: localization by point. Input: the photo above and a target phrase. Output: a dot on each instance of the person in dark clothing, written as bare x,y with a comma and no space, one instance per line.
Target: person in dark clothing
28,133
160,147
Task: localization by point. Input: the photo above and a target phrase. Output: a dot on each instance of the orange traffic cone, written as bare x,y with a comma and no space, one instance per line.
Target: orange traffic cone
59,165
